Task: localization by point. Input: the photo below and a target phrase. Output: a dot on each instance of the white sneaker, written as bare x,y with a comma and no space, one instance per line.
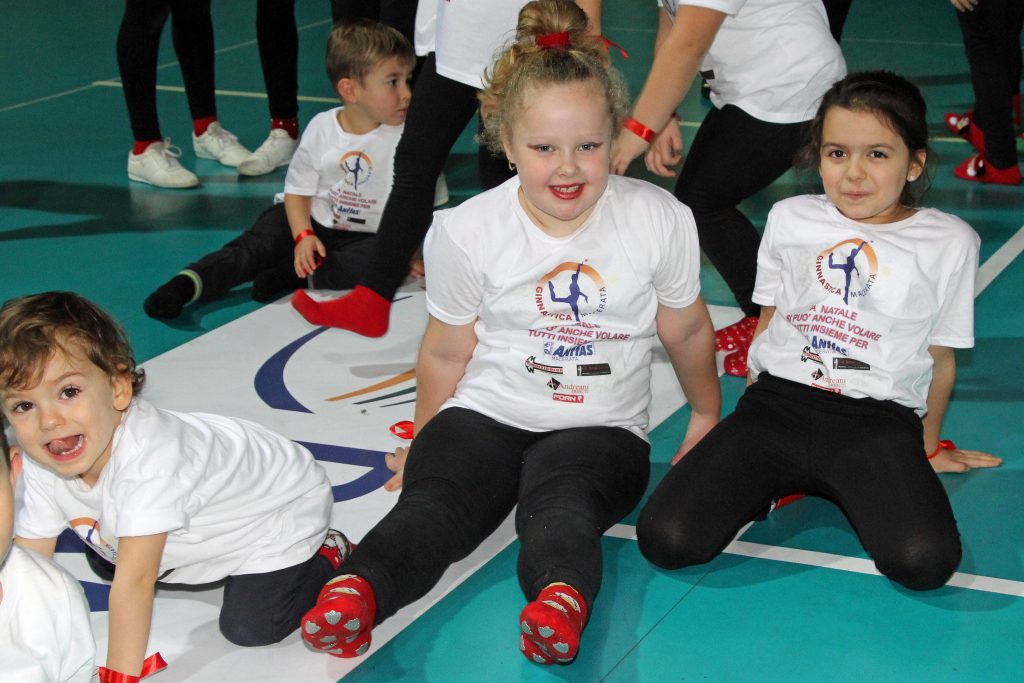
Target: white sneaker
275,152
219,145
159,166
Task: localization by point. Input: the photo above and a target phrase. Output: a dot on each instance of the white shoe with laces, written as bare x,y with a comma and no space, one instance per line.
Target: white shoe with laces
219,145
158,165
275,152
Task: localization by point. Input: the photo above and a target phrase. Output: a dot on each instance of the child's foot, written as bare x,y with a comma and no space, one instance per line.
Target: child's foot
552,624
342,618
736,335
362,311
736,362
977,169
273,282
336,548
168,300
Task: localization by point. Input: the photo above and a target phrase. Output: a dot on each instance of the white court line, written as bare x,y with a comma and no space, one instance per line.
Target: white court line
998,262
219,93
857,565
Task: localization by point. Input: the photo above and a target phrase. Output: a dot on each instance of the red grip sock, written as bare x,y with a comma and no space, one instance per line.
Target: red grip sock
199,126
362,311
341,621
552,624
290,126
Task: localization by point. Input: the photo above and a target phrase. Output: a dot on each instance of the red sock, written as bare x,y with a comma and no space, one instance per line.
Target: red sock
341,621
199,126
552,624
142,145
290,126
362,311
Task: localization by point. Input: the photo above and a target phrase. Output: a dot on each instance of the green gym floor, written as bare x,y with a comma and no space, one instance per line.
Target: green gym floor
794,598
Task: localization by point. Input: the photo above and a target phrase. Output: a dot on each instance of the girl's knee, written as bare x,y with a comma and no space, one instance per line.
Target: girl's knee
671,546
923,563
253,634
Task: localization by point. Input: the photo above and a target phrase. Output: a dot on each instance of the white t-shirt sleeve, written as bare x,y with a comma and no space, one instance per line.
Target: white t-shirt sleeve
677,274
454,286
954,324
729,7
769,268
39,516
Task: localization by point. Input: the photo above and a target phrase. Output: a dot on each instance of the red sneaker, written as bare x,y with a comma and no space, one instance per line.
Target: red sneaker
976,169
736,335
963,126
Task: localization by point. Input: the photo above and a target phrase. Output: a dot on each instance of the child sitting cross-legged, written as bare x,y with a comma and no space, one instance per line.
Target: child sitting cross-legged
177,497
334,193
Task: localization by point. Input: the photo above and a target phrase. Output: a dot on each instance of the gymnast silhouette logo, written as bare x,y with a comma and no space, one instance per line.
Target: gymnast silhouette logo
358,169
584,292
848,269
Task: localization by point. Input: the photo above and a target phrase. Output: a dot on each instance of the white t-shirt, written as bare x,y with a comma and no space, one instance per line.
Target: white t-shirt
348,176
45,634
233,497
565,326
773,59
858,305
469,34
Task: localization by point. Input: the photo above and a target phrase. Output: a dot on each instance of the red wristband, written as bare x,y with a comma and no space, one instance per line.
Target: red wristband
639,129
944,445
151,665
303,235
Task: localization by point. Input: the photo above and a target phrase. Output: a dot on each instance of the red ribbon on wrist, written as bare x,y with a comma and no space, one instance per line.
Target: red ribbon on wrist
151,665
303,235
944,445
640,130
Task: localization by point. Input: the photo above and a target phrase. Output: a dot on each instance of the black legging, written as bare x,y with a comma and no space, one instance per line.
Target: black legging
991,35
138,44
734,156
438,112
866,455
465,473
277,37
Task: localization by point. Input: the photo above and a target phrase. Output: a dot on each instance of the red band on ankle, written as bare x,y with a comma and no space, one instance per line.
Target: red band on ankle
944,445
303,235
639,129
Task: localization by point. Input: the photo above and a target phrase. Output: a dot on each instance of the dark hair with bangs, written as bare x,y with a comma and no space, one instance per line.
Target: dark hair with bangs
895,101
33,328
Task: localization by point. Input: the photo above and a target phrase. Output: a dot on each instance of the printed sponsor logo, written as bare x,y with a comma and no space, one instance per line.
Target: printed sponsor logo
576,388
554,384
849,364
567,398
532,365
588,370
808,355
568,351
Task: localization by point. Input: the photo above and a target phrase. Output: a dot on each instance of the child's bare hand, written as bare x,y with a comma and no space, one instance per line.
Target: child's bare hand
416,267
396,463
962,460
309,254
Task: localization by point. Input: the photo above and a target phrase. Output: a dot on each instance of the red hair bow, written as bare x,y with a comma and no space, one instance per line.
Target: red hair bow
554,40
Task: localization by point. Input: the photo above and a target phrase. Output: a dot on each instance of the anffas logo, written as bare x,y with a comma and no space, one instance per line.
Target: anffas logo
848,269
571,291
358,169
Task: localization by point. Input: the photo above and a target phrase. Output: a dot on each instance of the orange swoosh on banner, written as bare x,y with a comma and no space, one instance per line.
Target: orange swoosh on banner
397,379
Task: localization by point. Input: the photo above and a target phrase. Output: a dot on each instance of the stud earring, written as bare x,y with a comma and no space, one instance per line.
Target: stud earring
511,166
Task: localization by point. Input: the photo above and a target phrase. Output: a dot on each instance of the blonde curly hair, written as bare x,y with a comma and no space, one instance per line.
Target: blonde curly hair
576,56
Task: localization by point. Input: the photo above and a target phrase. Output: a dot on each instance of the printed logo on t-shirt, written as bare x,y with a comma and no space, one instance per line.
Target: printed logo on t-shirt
358,169
847,269
567,393
571,292
88,529
532,365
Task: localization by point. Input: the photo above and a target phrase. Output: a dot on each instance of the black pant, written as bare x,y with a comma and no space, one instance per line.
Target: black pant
438,112
866,455
268,245
734,156
992,42
465,473
399,14
138,43
258,609
277,37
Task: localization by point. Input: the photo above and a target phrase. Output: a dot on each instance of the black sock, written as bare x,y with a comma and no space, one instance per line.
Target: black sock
274,282
168,300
